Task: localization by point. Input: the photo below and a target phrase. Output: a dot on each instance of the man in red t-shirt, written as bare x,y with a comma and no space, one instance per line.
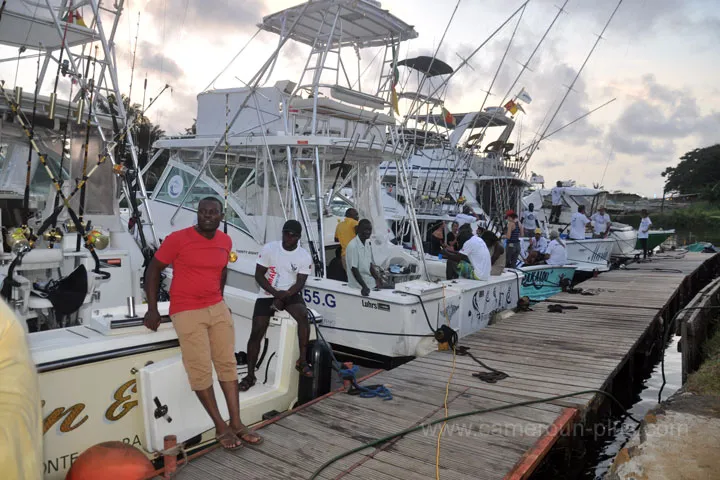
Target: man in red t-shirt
204,325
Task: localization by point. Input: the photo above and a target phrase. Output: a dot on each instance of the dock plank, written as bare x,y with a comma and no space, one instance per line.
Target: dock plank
544,353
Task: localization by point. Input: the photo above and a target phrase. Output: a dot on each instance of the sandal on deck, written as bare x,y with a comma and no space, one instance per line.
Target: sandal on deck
304,369
244,433
231,437
247,383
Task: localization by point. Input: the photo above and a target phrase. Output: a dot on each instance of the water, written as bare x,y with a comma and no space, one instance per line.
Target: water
701,232
599,456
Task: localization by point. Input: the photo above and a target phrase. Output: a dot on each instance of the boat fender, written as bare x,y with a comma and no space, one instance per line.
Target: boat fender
116,460
445,334
320,360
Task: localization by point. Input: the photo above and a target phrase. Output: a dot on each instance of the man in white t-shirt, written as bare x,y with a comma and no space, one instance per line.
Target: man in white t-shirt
556,197
473,260
556,253
578,223
529,220
467,216
601,223
643,232
281,271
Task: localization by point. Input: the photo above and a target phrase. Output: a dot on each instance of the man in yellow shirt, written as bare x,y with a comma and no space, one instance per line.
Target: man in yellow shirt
20,417
345,231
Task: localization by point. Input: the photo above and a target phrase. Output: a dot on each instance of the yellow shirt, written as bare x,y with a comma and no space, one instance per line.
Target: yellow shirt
345,232
21,450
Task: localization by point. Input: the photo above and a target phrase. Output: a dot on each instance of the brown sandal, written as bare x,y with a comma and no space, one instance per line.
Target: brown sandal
246,432
229,435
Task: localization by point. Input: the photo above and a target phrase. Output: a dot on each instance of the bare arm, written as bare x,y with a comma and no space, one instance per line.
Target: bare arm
455,256
358,277
223,280
262,281
299,285
152,285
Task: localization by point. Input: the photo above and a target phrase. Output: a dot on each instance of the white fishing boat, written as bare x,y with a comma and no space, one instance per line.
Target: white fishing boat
291,149
72,272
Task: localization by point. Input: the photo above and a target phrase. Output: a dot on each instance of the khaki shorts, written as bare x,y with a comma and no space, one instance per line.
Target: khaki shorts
207,337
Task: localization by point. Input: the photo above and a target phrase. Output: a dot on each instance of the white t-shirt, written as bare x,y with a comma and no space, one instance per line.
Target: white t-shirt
577,226
539,245
283,266
479,256
557,252
645,224
600,222
528,221
556,194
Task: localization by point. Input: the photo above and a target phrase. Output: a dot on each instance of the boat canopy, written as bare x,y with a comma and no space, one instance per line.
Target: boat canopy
363,24
427,65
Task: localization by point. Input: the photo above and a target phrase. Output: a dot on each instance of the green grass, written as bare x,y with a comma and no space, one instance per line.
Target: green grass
706,381
694,216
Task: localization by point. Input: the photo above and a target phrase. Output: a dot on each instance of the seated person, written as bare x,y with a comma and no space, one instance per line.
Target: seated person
497,251
336,270
473,261
536,249
360,261
556,253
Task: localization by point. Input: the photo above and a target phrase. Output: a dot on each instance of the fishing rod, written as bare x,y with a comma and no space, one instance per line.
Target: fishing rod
227,147
88,126
53,95
569,88
132,67
31,136
546,136
22,120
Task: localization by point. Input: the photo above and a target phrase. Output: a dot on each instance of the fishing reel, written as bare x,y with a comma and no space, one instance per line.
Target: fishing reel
98,238
54,235
232,258
70,227
19,239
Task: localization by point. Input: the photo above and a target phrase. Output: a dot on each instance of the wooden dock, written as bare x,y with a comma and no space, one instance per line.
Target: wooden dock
545,354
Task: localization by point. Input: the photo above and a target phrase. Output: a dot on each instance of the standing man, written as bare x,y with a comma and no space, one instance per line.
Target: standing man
556,197
529,220
281,271
578,223
345,231
643,232
360,260
204,325
601,223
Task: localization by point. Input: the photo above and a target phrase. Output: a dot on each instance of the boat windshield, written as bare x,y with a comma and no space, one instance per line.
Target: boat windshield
591,202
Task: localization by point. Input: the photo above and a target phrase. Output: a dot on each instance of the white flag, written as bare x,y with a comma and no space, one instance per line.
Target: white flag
523,95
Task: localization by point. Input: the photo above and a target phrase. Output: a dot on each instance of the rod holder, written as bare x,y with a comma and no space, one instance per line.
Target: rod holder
18,96
131,307
51,108
80,111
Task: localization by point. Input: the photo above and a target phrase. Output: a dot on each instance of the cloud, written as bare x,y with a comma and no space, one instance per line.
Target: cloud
213,15
552,163
152,60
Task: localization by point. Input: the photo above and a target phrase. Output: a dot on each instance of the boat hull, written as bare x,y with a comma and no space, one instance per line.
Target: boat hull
589,255
541,282
655,238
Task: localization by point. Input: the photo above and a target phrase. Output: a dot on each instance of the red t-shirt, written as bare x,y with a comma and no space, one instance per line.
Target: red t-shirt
197,264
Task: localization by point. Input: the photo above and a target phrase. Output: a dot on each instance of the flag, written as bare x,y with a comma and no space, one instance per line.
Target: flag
519,107
448,117
395,104
511,107
523,95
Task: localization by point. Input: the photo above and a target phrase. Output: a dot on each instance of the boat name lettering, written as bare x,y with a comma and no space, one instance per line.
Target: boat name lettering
64,462
71,419
537,278
71,414
313,297
376,305
123,401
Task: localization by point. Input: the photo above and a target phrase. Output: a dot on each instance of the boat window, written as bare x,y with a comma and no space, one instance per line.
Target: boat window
176,185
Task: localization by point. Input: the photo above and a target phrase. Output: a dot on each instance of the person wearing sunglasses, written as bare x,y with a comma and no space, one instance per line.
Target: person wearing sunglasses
281,271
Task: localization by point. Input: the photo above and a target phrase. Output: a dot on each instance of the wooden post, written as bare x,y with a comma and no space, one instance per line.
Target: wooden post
170,461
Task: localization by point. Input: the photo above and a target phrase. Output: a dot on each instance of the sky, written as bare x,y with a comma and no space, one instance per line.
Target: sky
657,58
